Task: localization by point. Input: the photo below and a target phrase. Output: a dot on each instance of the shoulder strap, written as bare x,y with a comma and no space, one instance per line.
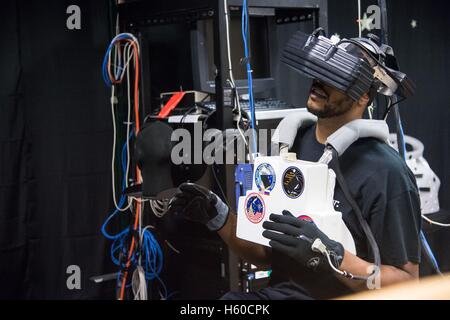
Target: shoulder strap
287,129
345,136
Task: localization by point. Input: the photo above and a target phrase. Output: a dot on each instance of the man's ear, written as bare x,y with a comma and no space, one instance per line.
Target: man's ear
364,100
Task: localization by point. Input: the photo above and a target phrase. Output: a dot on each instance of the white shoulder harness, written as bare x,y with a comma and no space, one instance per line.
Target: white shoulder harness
340,140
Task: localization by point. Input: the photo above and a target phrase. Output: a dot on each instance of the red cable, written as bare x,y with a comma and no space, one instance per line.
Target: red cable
138,172
171,104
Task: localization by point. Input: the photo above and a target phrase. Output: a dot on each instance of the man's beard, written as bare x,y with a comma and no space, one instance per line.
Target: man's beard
336,109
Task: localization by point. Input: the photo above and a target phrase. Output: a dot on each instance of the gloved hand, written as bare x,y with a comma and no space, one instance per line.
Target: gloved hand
294,238
198,204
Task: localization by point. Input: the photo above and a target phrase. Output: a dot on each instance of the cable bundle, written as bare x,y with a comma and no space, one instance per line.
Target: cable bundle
134,247
122,58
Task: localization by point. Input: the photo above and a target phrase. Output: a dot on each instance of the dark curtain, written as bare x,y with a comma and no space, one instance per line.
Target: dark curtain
55,146
423,54
13,164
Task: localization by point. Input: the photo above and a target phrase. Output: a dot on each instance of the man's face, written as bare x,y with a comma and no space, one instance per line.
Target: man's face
326,102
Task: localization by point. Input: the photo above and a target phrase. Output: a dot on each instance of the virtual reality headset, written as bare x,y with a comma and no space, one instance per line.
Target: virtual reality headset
354,66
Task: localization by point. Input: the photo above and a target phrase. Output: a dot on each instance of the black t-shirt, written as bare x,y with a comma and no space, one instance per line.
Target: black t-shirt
386,192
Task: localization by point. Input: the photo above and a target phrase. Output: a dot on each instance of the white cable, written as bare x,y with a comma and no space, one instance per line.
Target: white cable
370,111
133,38
435,222
319,246
117,24
141,292
342,273
130,56
138,284
128,53
139,199
113,103
239,116
359,19
141,232
148,227
159,207
388,107
172,247
142,283
230,71
227,31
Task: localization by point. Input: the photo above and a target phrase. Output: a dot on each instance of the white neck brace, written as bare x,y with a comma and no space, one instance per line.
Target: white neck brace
340,140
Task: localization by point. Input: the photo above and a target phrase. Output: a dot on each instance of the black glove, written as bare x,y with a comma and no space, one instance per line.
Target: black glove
198,204
295,238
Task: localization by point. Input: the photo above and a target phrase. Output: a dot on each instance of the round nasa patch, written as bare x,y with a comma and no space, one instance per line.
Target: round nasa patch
265,178
293,182
254,208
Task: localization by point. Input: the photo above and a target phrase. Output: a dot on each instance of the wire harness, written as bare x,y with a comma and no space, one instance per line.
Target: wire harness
134,249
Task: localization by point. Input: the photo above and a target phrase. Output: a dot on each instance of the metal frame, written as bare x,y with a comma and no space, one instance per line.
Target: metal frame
138,14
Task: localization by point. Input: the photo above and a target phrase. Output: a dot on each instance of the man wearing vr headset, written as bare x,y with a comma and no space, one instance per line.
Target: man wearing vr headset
379,180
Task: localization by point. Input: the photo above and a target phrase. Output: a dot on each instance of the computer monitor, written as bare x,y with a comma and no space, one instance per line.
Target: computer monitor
202,45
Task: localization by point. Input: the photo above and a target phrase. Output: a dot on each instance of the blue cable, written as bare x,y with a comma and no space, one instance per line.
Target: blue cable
151,252
403,146
249,72
152,255
153,258
430,252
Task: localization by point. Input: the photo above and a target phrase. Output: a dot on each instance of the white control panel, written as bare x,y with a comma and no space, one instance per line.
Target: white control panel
306,189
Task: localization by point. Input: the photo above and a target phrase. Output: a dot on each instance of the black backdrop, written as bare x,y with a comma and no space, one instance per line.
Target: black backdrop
423,54
55,145
55,133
